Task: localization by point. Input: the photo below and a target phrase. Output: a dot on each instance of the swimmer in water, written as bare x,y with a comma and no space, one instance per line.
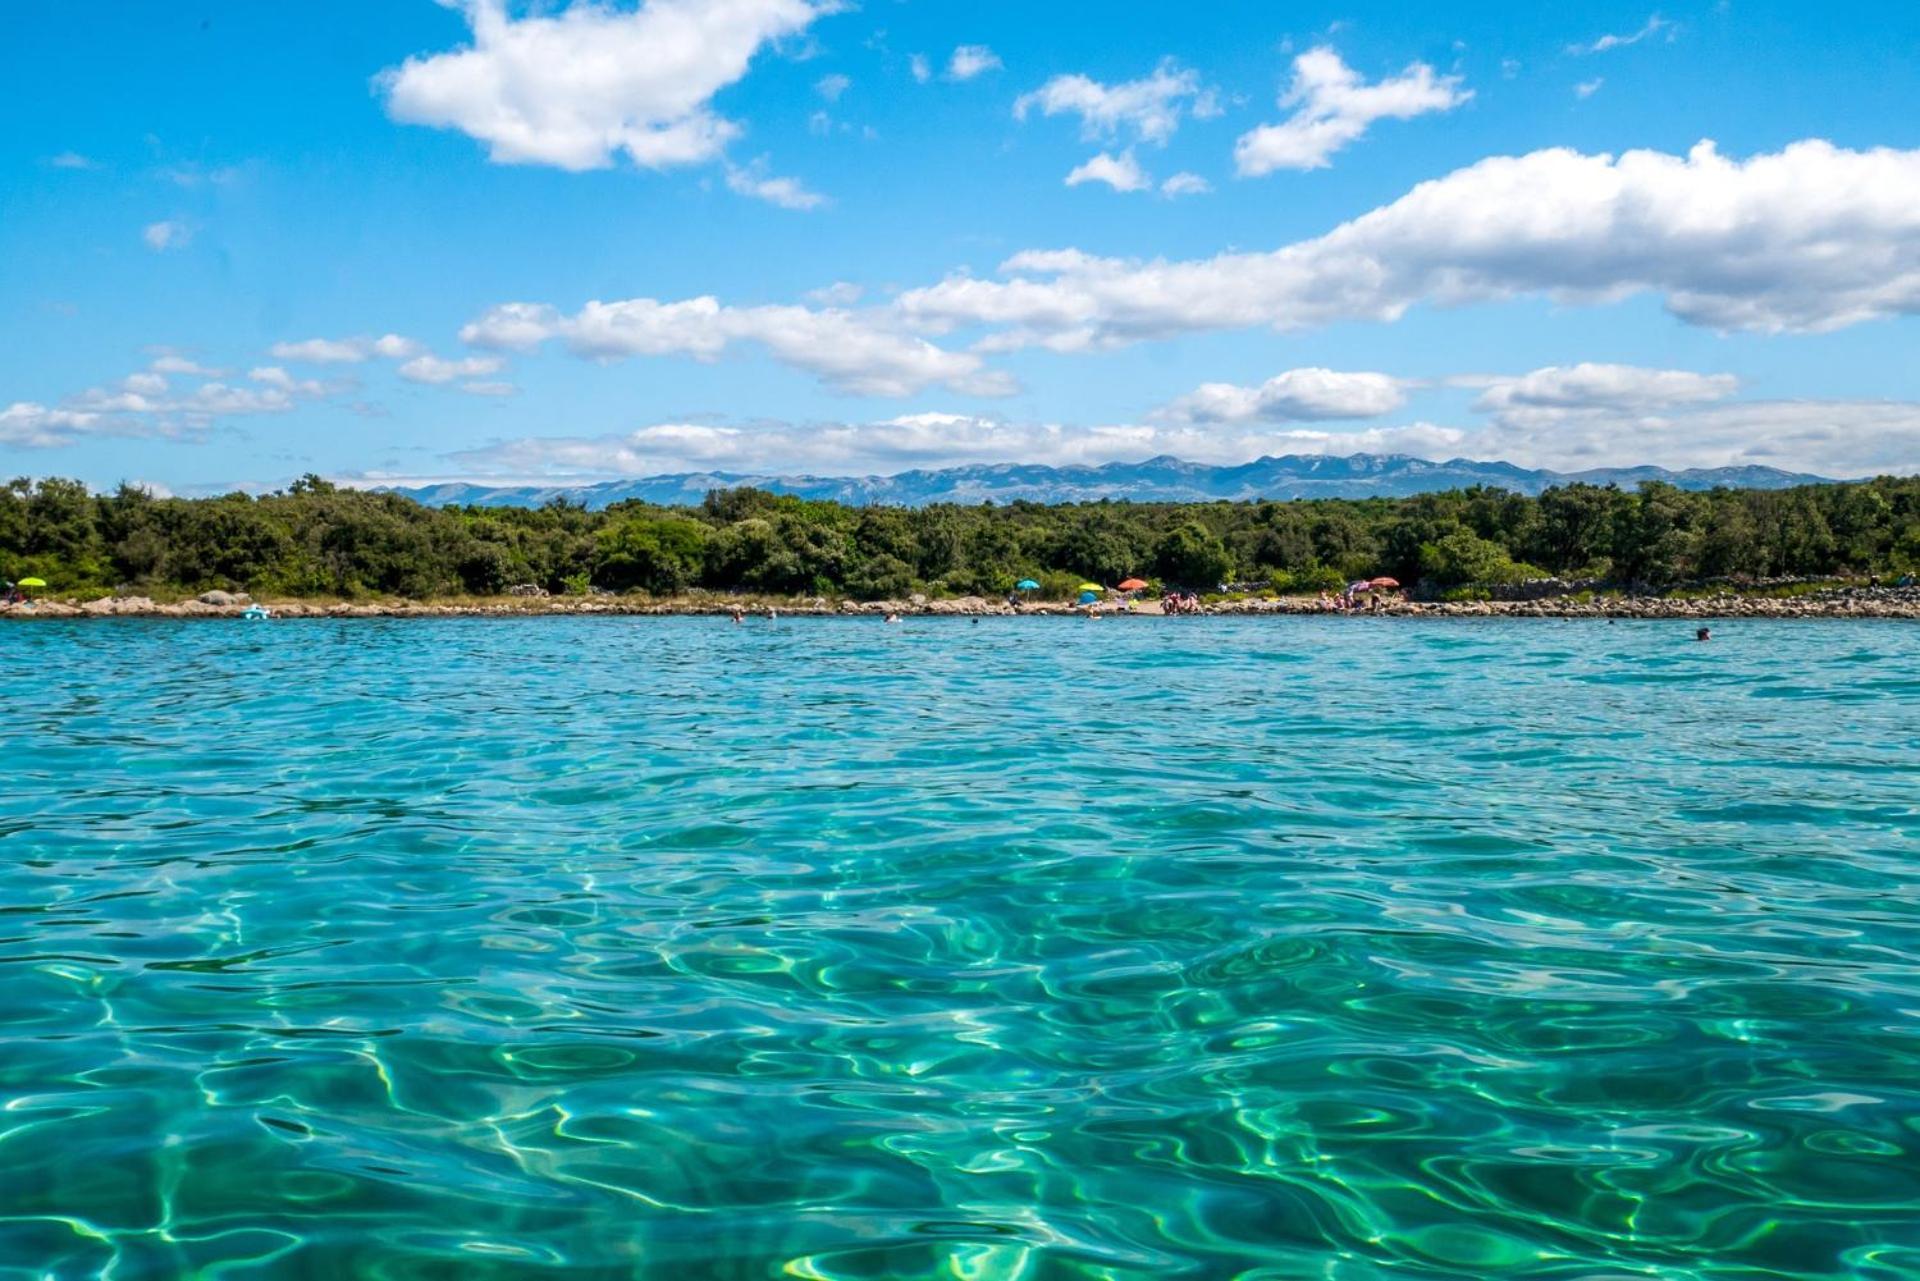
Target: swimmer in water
893,618
738,617
1705,633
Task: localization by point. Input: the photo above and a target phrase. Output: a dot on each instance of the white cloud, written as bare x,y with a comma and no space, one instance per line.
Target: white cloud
275,377
841,293
219,400
346,351
1185,184
146,403
436,371
162,236
1148,109
754,180
490,389
170,363
922,69
1812,237
911,441
1298,395
1832,438
72,160
1121,172
849,351
1333,108
970,60
576,88
1547,396
26,425
1653,26
831,87
1838,438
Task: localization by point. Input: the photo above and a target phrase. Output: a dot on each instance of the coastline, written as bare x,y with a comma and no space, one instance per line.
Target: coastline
1850,602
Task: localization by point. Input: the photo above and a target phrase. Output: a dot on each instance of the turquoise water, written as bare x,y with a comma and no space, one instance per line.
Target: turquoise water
1333,948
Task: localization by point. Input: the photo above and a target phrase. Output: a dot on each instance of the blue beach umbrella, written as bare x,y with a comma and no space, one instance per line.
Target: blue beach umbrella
1026,585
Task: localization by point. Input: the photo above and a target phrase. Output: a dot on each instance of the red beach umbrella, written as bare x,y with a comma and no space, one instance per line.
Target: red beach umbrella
1132,584
1384,582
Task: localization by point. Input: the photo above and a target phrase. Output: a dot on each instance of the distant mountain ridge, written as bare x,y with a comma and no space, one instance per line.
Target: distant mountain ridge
1158,480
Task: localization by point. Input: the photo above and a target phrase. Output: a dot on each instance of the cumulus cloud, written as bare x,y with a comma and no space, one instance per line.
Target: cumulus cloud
970,60
148,403
1653,26
841,293
831,87
1121,172
1298,395
168,362
754,180
28,425
346,351
73,160
1587,88
1837,438
1333,108
922,69
437,371
1185,184
576,88
275,377
1830,438
1146,110
1550,395
1813,237
848,351
169,234
911,441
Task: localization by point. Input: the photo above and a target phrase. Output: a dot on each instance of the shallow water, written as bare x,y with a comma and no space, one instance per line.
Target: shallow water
1032,949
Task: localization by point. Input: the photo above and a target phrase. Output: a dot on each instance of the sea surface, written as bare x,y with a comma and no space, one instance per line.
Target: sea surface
1024,949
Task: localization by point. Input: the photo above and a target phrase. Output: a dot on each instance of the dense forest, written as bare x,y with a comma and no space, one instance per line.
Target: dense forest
316,540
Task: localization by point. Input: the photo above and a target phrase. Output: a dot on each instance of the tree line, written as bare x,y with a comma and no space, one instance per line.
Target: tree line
317,540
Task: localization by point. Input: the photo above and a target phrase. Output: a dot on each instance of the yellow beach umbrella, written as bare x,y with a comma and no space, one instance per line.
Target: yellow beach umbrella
1091,587
31,582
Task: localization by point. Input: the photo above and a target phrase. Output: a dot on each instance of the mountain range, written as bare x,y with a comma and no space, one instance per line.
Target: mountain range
1162,479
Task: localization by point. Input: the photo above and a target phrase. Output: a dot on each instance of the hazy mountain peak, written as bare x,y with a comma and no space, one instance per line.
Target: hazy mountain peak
1161,479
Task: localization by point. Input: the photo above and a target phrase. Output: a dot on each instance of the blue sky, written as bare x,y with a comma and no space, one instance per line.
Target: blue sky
244,241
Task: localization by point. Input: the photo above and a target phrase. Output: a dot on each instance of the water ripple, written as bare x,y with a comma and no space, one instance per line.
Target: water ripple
607,948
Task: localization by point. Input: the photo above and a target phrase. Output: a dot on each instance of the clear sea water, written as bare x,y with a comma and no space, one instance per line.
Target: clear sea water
603,948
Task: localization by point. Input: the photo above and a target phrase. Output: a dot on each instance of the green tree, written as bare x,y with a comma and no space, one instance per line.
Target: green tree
1193,556
658,554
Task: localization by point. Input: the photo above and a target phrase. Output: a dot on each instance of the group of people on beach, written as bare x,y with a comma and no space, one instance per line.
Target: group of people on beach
1349,603
1179,602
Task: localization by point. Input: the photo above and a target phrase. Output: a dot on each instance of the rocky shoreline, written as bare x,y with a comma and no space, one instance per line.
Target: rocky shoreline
1844,602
